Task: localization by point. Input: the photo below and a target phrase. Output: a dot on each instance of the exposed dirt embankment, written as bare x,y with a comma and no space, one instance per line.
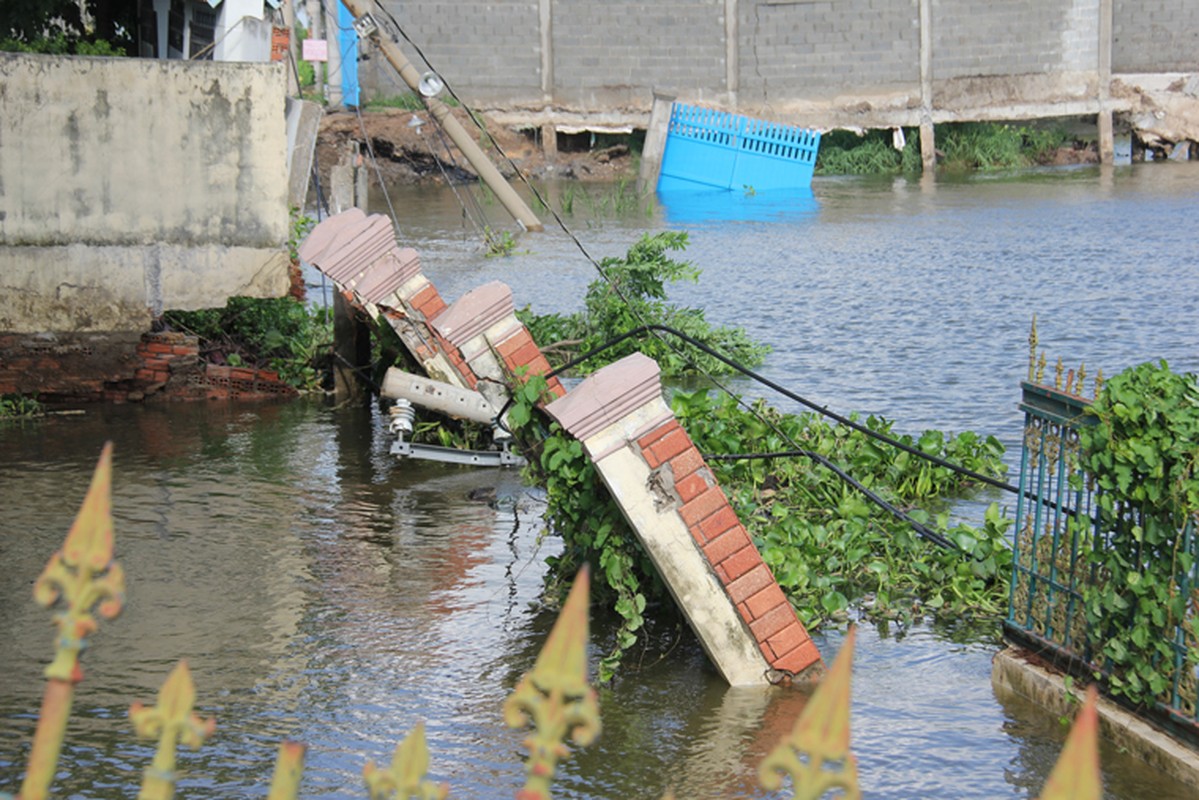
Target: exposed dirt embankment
410,148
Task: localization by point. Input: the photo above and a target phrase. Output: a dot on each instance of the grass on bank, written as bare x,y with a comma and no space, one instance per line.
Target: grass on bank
960,146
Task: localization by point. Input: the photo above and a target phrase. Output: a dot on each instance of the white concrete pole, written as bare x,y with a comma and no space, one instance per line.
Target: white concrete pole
461,139
928,139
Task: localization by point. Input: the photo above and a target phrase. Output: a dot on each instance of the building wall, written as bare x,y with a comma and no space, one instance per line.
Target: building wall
973,38
822,62
803,49
129,186
1155,35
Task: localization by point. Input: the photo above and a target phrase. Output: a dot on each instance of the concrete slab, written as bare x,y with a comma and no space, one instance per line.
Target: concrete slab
1015,671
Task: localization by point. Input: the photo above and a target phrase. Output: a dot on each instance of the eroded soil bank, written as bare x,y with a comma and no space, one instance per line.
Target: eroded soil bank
410,148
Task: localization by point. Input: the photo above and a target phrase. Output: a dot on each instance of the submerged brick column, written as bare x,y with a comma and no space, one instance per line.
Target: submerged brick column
360,254
682,517
482,326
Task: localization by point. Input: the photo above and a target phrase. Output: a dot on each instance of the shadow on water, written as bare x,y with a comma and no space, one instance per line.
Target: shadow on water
325,592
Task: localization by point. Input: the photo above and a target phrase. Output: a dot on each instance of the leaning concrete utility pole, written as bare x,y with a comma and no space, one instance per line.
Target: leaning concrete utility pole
483,166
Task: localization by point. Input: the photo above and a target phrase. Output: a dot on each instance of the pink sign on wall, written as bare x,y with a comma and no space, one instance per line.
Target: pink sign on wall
316,50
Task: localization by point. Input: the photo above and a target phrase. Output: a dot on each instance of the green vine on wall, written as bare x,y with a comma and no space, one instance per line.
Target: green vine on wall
1144,458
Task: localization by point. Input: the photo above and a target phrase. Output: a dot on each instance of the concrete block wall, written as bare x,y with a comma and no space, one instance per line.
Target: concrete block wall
806,49
609,53
1155,36
983,37
493,49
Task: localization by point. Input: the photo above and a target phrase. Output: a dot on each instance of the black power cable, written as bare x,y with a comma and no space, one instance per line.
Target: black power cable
823,410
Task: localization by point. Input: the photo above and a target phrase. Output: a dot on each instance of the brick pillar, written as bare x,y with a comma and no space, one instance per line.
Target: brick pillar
685,522
360,254
482,326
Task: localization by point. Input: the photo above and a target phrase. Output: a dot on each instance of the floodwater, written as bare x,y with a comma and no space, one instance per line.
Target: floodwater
323,592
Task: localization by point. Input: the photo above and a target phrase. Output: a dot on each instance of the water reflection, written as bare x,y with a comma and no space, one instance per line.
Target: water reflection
682,207
324,592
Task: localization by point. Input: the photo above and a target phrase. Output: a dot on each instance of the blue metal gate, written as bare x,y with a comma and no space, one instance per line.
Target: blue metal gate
706,148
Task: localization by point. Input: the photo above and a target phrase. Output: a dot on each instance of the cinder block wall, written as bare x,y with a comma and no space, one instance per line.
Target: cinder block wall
1155,35
806,49
605,56
985,37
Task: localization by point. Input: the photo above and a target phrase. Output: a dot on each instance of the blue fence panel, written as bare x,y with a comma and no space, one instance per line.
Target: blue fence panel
710,148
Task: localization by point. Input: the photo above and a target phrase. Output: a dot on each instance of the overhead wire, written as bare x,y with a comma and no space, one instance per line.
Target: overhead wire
657,331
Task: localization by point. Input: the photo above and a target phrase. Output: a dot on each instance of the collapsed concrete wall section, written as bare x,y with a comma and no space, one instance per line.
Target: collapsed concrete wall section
130,186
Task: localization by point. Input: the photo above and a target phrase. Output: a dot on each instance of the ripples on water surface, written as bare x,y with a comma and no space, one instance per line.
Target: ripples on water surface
322,592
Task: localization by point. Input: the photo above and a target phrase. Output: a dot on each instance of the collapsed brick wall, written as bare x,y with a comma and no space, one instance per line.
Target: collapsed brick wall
122,368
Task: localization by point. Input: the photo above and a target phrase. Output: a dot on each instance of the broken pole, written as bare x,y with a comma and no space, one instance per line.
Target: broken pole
483,167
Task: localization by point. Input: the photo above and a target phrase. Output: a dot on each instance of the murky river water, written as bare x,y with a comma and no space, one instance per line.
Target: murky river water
323,592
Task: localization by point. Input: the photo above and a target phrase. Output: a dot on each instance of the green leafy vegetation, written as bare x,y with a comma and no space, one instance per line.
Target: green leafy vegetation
1144,458
960,146
68,27
633,293
829,548
19,406
281,334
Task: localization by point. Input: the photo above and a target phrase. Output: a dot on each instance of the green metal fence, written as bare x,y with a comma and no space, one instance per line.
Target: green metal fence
1057,518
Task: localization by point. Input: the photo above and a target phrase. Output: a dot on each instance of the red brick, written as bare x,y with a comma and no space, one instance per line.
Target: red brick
799,659
657,433
725,545
772,622
718,523
750,583
671,445
686,462
703,506
514,343
185,350
537,365
788,639
427,301
653,461
698,538
741,562
527,354
155,347
690,487
766,599
157,363
555,387
144,374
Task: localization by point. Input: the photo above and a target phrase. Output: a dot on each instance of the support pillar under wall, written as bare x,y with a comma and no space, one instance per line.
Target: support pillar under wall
928,146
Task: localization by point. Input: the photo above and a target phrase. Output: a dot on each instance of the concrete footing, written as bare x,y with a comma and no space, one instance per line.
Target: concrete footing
1017,672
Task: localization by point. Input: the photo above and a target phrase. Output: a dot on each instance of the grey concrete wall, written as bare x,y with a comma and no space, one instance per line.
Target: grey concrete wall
608,53
829,63
1009,37
490,50
128,186
815,48
1155,35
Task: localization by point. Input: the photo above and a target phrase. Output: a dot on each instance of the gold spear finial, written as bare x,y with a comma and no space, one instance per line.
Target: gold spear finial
816,754
171,721
405,777
1076,775
83,575
555,696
